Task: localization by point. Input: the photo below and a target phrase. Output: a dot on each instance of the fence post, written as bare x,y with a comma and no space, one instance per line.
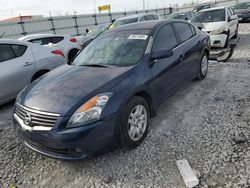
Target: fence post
76,25
52,23
22,25
95,19
165,14
110,16
125,13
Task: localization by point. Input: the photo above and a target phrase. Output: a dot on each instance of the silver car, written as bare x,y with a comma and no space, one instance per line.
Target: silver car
23,62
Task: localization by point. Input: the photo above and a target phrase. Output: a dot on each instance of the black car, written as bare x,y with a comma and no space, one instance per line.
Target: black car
243,11
112,89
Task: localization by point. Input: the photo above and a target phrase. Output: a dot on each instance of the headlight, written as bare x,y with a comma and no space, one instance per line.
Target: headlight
90,111
218,31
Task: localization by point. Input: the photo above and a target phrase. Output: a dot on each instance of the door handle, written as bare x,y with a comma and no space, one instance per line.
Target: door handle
181,58
28,64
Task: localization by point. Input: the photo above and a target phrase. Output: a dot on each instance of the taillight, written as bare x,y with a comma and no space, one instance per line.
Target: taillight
58,52
73,40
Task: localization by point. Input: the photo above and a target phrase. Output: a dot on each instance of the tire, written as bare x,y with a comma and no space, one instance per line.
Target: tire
132,130
72,54
203,67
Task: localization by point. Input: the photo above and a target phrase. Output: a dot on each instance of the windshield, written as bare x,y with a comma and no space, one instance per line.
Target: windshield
97,30
242,6
210,16
123,48
177,16
124,22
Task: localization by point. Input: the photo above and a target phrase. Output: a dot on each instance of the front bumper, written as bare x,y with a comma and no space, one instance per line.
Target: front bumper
71,144
218,41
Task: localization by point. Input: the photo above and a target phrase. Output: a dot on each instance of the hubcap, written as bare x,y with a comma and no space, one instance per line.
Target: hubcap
137,122
204,65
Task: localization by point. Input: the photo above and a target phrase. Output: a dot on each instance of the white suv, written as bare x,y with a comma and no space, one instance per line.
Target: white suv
220,23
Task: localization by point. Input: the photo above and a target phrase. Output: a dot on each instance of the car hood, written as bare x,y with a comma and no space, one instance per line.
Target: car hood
64,88
212,26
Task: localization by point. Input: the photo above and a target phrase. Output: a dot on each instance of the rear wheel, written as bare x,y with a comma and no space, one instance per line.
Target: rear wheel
203,67
134,122
72,54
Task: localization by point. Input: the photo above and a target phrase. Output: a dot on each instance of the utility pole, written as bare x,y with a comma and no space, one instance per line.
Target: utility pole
143,1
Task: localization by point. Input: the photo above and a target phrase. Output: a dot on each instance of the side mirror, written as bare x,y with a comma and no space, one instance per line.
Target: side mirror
230,19
161,54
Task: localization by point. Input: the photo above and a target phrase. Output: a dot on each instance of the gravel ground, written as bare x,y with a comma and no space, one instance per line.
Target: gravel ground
207,123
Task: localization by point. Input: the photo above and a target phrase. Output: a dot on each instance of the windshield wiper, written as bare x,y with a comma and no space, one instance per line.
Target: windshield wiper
98,65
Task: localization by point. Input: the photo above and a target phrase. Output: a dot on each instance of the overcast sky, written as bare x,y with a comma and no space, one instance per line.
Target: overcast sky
11,8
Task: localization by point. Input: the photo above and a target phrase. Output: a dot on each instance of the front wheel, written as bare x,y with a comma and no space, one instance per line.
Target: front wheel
203,67
134,122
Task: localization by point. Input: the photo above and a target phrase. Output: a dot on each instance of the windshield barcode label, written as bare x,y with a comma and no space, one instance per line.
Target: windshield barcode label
138,37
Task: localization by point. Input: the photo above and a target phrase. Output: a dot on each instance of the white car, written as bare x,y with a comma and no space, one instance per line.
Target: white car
220,23
134,19
66,43
21,63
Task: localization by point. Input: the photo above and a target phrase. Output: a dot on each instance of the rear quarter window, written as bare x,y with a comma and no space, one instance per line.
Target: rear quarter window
6,52
19,50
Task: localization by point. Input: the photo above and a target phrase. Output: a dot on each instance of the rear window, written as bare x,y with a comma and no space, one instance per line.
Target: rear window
184,31
56,40
41,41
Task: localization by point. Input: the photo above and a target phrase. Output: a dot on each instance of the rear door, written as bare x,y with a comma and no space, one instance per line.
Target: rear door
167,73
17,66
189,48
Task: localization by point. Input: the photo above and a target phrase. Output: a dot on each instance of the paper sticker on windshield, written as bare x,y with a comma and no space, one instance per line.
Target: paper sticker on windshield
138,37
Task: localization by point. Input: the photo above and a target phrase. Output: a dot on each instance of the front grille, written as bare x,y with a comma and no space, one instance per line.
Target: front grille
37,118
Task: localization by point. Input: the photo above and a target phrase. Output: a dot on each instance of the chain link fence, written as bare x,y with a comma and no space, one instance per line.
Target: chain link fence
77,24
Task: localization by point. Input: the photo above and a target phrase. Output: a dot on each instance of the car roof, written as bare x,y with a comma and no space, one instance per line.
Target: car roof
208,3
215,8
39,36
12,41
136,16
149,25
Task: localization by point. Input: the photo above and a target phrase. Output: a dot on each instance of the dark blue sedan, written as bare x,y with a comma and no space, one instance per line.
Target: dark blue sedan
111,90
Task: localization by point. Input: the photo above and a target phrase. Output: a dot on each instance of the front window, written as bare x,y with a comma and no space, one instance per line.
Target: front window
123,48
125,21
210,16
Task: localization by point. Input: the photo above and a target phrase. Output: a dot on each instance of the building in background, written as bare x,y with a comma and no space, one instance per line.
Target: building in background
21,18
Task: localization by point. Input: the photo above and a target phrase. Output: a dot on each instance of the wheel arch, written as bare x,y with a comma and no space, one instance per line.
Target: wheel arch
39,74
145,95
